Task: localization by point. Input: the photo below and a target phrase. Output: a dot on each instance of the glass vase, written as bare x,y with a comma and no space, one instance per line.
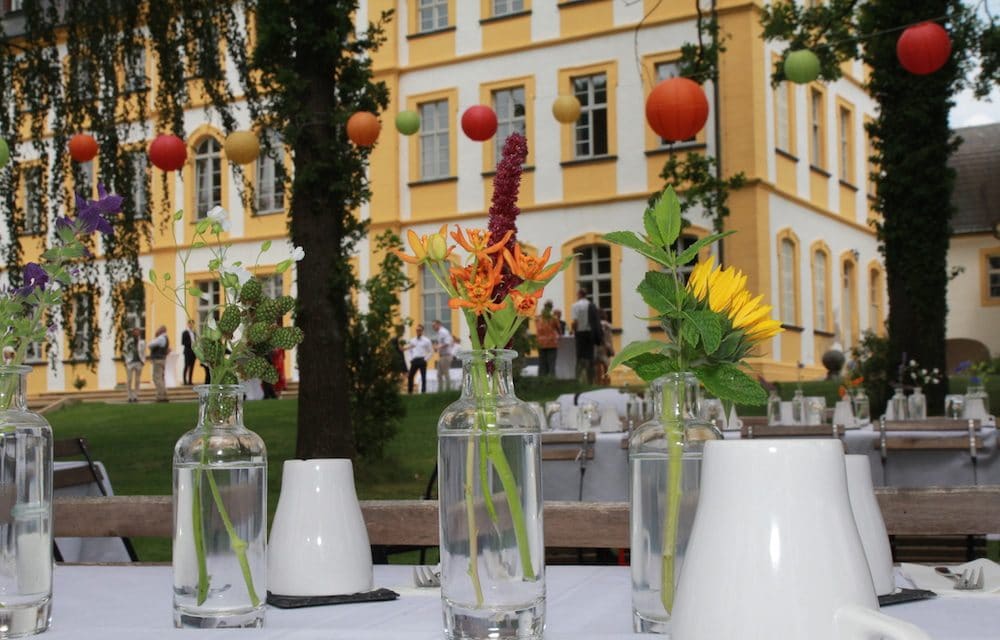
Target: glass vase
220,517
25,512
665,469
862,407
900,406
490,493
798,408
977,402
917,404
773,408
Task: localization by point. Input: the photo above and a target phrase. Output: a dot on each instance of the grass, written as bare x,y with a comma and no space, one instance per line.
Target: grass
136,442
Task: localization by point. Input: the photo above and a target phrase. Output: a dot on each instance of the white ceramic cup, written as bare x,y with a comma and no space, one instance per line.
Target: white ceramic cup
319,542
774,551
871,526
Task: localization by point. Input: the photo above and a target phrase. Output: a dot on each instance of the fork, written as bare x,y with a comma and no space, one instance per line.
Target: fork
424,576
970,579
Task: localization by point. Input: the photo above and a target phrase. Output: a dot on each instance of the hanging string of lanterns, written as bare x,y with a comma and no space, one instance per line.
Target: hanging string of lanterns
168,152
242,147
82,147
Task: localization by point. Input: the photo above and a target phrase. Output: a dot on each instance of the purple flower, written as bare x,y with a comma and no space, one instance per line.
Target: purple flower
34,277
64,222
92,214
506,184
963,365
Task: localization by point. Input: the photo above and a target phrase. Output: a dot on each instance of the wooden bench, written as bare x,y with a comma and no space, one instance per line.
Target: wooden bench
924,512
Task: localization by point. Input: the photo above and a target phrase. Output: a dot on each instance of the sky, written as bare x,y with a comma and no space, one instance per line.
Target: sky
969,112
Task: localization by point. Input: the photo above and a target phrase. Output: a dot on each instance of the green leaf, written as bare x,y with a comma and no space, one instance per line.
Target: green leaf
194,291
166,277
202,226
730,344
652,230
659,290
197,245
690,333
691,252
632,241
264,247
178,214
152,276
709,325
214,264
283,266
667,213
729,382
650,366
634,349
230,281
216,228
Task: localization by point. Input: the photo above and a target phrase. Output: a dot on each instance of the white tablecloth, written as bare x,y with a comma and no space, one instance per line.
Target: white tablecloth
605,477
584,603
89,549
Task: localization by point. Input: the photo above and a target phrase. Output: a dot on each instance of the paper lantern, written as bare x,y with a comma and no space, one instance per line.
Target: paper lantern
82,147
802,66
242,147
923,48
168,152
566,109
363,128
677,109
4,153
407,122
479,122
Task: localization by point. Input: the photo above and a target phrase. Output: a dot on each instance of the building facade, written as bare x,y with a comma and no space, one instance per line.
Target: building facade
804,237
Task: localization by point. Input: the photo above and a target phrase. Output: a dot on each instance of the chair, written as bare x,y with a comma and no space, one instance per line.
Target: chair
88,473
573,447
950,434
756,429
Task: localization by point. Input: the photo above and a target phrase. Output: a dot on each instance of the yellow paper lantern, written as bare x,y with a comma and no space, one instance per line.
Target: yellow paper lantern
242,147
566,109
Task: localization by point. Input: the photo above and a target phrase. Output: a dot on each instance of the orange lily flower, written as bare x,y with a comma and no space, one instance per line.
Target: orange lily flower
477,241
525,303
477,287
421,246
529,267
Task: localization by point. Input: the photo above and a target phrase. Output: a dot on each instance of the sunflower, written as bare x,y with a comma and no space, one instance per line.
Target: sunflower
725,290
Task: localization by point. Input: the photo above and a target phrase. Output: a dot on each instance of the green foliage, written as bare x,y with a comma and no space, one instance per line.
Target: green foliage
697,177
870,358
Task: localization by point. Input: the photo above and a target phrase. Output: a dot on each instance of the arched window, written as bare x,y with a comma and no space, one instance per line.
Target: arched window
875,288
434,300
821,293
593,274
270,190
788,280
207,177
848,305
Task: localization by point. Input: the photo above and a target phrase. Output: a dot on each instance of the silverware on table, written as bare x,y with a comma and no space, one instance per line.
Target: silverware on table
970,579
424,576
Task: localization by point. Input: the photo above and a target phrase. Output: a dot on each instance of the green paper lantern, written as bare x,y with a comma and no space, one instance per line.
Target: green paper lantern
407,122
4,153
802,66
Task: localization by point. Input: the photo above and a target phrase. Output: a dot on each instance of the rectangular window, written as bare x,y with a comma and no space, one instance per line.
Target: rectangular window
593,274
270,189
872,171
506,7
208,302
434,300
135,314
993,271
34,353
139,191
819,290
33,215
846,130
591,130
16,5
782,120
85,187
82,312
207,177
434,152
816,150
788,292
509,107
135,70
273,285
84,79
432,15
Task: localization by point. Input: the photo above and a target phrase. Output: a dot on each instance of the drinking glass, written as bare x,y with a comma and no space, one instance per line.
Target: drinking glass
815,409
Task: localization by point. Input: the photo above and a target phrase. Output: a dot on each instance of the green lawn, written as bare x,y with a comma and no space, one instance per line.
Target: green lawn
136,441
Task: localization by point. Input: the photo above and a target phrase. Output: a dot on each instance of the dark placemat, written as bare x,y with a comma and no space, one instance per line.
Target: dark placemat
294,602
905,595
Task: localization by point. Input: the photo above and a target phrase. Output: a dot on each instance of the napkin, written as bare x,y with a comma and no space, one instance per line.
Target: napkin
925,577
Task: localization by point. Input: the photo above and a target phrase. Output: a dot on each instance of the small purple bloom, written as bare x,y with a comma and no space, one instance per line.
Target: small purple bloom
64,222
34,277
92,213
963,365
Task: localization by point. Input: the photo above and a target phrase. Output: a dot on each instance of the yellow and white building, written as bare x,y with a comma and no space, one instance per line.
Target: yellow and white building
804,237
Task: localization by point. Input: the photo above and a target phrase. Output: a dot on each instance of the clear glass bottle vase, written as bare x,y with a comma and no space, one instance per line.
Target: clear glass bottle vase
798,407
665,457
26,510
220,517
861,406
900,405
490,501
917,404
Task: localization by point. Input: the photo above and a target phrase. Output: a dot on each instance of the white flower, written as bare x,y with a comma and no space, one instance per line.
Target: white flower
219,215
241,274
913,363
298,253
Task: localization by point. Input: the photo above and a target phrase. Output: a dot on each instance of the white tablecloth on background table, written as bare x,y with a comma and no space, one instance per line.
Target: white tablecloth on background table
89,549
605,478
584,603
566,358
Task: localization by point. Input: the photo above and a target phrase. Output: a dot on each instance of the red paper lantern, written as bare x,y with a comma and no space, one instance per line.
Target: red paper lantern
479,122
363,128
82,147
677,109
168,152
923,48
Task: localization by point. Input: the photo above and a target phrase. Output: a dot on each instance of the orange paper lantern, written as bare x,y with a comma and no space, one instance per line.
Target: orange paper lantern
363,128
677,109
923,48
82,147
479,122
168,152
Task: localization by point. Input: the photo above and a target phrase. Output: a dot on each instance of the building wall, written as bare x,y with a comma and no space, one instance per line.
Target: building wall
972,312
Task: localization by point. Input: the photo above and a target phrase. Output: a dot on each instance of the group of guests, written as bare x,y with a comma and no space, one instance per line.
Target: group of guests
592,335
421,349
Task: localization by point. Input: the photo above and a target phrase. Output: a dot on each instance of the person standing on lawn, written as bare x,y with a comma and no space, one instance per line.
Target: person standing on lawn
420,348
547,331
135,359
187,340
445,345
158,350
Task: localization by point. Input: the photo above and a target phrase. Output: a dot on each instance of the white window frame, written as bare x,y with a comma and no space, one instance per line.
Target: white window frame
433,300
820,266
16,5
87,188
139,189
209,308
844,118
782,133
993,273
846,304
432,15
816,128
507,7
270,188
84,80
434,142
787,282
598,283
35,353
272,284
509,105
82,309
135,314
135,70
586,140
207,176
874,295
33,213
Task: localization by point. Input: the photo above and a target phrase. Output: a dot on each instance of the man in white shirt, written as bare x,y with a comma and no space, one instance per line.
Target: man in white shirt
158,350
445,347
580,317
420,348
134,353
